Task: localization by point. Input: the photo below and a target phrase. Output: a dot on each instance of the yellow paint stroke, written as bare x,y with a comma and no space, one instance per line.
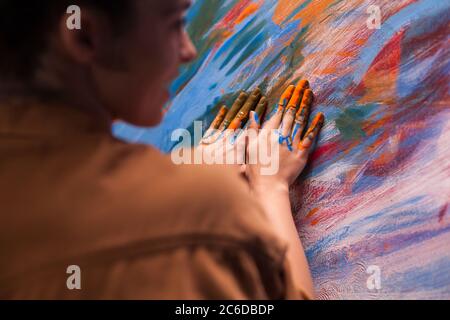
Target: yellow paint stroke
250,9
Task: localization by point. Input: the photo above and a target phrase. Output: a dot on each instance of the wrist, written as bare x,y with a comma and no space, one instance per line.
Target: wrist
273,196
266,187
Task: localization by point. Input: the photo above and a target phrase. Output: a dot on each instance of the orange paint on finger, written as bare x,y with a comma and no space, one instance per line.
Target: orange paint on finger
302,112
308,97
305,105
286,96
312,131
295,100
235,124
298,93
303,84
219,118
317,122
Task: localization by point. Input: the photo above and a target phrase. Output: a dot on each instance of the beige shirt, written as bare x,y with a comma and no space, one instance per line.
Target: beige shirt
138,226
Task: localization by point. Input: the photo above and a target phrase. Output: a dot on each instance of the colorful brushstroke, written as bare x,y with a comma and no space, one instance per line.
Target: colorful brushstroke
378,188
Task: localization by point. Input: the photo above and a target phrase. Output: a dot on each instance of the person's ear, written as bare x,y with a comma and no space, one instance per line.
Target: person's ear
87,39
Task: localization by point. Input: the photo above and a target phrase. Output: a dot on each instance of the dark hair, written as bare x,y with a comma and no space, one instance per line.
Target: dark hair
25,26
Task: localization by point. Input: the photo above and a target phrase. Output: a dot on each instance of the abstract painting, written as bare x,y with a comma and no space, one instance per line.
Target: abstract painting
374,199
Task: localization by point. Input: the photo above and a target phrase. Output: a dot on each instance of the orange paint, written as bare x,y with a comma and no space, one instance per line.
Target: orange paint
226,26
250,9
286,96
317,122
284,9
219,118
226,33
381,78
302,113
348,53
230,19
235,124
351,175
309,13
295,99
361,41
299,94
328,70
303,84
312,132
312,212
308,97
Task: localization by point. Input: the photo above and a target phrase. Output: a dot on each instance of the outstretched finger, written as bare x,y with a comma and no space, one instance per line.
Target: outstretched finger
243,113
212,133
219,118
261,107
302,115
289,115
275,120
237,105
312,133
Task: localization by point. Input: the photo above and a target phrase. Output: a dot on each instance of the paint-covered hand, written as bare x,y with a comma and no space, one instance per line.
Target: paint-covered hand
284,132
224,141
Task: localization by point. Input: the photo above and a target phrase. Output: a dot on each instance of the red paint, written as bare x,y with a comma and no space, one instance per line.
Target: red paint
389,57
329,149
234,14
386,62
442,212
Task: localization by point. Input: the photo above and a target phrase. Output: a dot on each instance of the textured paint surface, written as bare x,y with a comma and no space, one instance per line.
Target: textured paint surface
378,189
